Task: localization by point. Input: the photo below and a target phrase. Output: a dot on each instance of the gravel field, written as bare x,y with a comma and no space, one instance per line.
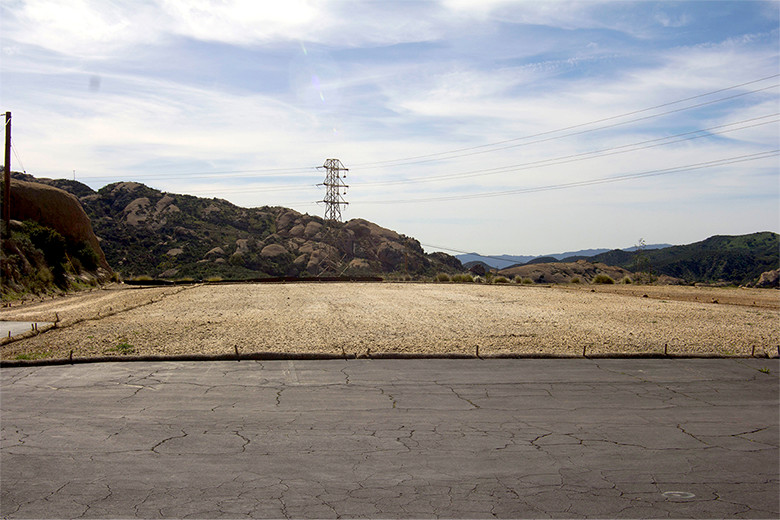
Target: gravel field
354,318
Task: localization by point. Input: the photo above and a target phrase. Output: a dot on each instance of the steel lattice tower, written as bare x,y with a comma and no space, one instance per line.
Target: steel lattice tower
334,195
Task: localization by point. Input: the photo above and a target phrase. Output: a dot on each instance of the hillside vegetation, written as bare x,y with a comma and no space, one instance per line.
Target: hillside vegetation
734,259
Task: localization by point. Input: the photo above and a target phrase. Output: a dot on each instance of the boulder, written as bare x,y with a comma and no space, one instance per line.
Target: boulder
362,228
56,209
242,246
286,219
359,264
217,251
137,211
273,250
312,228
297,230
769,279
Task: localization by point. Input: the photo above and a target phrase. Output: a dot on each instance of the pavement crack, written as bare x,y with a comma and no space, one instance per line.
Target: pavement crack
452,389
679,427
246,441
154,448
346,375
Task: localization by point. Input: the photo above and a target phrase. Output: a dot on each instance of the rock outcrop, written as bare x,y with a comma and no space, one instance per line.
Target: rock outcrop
769,279
56,209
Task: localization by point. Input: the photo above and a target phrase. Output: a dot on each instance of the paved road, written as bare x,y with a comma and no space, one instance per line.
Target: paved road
535,438
14,328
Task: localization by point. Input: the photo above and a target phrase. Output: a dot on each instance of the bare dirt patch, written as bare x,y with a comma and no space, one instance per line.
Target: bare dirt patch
369,318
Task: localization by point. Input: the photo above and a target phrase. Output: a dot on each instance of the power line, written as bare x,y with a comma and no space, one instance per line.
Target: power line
580,132
602,180
584,155
554,161
16,154
267,172
580,125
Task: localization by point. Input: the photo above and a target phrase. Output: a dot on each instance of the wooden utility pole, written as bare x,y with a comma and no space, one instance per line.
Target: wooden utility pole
7,178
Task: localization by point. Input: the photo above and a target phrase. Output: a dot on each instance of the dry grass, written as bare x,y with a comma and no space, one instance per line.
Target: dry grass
411,318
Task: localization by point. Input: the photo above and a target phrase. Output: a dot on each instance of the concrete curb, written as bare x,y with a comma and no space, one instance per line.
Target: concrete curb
315,356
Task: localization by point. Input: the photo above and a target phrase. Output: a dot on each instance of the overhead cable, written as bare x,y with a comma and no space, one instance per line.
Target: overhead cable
580,125
575,184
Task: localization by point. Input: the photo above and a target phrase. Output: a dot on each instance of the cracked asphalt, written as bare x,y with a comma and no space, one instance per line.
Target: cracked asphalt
538,438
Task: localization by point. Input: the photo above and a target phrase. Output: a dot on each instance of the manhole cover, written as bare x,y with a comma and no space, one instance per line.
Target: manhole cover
678,494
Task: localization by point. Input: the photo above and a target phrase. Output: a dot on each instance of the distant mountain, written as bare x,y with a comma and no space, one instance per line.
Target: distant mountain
146,232
504,261
499,262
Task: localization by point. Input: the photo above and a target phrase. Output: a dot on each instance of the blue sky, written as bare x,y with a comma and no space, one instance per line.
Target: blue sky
520,127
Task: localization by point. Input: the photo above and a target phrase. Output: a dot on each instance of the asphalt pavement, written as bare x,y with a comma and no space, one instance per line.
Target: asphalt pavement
512,438
15,328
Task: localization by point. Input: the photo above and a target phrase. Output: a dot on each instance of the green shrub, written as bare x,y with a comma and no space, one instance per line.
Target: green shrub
31,356
442,277
501,279
576,279
123,348
626,280
53,247
463,278
603,279
527,281
88,257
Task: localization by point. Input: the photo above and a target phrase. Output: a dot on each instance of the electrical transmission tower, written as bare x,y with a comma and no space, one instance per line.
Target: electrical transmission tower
335,189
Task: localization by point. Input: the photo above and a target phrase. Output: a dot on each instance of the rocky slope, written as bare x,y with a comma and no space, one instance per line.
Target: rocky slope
52,245
146,232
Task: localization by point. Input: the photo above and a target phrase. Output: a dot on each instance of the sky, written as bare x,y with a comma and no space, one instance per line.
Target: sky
493,126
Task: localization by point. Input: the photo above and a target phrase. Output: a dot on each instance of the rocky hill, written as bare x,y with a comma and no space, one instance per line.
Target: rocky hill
146,232
52,245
